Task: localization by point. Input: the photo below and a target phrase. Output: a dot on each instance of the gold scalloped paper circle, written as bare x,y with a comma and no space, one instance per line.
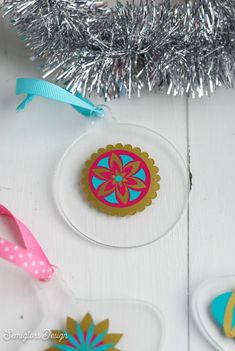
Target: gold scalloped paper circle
120,180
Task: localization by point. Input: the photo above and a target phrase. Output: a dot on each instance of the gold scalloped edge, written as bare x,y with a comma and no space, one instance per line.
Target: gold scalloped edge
127,211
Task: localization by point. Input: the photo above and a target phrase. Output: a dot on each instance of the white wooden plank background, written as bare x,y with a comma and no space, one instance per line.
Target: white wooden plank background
163,273
212,206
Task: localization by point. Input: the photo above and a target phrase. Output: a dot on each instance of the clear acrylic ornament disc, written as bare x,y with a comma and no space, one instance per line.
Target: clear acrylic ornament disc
201,309
133,230
27,328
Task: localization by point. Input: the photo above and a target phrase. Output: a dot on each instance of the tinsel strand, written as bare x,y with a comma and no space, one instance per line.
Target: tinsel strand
86,46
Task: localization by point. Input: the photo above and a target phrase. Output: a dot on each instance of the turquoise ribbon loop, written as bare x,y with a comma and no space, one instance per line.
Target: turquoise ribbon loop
35,87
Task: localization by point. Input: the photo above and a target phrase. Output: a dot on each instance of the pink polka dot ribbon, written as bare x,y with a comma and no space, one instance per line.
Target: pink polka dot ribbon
29,257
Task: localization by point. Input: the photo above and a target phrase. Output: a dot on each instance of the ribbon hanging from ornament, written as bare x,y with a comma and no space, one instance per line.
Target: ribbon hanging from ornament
29,257
35,87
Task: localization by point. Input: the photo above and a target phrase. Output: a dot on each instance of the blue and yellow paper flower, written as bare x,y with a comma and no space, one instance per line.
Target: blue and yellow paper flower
85,336
223,311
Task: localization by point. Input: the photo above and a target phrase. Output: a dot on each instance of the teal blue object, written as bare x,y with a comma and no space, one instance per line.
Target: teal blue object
35,87
97,182
66,348
134,194
126,159
104,162
111,198
73,341
118,178
140,174
218,308
90,333
80,335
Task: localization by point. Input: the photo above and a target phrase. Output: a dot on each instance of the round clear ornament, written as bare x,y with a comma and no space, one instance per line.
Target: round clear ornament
153,221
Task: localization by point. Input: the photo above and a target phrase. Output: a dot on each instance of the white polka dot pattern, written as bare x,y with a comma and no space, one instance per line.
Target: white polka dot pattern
31,258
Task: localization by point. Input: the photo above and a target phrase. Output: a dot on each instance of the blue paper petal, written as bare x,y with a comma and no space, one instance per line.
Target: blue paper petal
65,347
99,338
126,159
103,347
90,334
104,162
140,174
80,335
218,308
73,341
96,182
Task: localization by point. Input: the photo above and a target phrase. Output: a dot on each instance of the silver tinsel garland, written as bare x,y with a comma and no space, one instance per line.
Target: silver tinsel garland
86,46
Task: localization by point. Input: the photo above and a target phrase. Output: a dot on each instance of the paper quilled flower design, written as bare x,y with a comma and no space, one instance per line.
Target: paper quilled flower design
120,180
223,312
85,336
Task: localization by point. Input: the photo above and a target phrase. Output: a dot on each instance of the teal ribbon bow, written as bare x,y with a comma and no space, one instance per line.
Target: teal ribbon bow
35,87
